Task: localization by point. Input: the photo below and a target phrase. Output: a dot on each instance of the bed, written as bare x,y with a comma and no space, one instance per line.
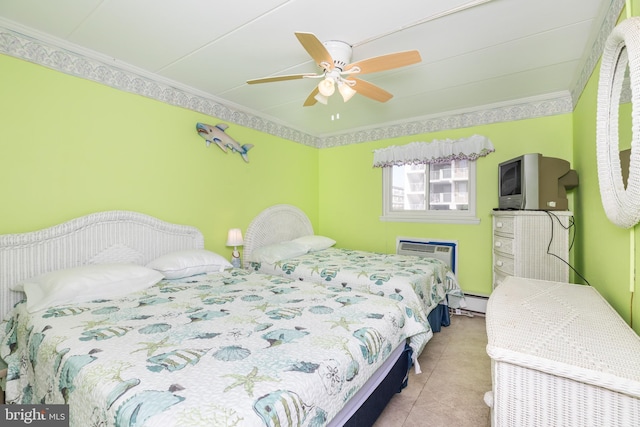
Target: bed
203,344
280,240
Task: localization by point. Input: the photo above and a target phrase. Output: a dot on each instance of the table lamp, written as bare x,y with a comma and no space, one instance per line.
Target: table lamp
234,238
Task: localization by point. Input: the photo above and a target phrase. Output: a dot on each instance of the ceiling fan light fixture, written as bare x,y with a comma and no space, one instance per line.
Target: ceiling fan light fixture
346,91
321,99
334,58
327,86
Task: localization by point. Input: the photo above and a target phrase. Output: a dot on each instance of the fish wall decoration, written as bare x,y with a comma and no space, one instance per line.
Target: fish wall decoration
217,135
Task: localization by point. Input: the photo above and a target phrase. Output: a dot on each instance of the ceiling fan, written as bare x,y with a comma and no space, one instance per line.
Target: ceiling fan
334,57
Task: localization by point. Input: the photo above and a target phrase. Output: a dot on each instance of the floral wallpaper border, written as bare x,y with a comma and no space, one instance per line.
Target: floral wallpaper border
48,54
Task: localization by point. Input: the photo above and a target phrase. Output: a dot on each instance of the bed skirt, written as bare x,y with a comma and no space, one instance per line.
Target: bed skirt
393,383
439,317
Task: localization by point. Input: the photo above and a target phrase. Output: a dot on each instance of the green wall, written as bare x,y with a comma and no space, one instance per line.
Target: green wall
350,192
603,252
69,147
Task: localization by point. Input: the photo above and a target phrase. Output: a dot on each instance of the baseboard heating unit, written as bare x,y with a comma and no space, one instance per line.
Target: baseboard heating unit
476,305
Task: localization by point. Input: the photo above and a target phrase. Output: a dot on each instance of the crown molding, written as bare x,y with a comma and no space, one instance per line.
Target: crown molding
598,47
540,106
42,49
38,48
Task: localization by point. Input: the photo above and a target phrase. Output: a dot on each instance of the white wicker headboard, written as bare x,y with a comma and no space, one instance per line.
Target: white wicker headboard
275,224
98,238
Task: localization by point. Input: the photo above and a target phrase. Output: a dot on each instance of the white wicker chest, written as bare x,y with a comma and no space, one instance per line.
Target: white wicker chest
523,242
560,356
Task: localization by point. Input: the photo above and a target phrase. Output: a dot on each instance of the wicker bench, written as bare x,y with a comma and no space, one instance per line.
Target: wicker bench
560,356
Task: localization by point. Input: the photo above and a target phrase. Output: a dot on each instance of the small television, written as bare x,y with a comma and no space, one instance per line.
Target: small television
535,182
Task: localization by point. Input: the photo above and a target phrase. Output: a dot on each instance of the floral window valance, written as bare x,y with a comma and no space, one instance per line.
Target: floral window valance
437,151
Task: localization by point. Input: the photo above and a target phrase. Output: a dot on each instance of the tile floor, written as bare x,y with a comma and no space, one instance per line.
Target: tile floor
456,372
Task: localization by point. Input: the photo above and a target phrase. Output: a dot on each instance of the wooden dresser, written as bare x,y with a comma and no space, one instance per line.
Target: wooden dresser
522,240
560,356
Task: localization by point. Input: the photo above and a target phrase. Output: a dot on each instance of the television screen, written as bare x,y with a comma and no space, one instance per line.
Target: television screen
510,178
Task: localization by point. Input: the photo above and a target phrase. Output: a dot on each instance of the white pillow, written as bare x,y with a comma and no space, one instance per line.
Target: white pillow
87,283
187,263
315,243
278,252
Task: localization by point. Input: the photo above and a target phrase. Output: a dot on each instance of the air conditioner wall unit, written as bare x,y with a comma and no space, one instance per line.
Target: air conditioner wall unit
444,250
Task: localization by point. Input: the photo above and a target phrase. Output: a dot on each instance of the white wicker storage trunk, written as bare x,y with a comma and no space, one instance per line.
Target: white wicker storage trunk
560,356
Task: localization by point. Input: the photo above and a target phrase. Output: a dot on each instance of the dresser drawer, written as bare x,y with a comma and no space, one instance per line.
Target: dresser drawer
504,264
503,244
503,224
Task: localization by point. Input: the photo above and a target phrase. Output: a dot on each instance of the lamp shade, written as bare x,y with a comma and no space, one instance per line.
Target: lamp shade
327,86
321,98
234,238
346,91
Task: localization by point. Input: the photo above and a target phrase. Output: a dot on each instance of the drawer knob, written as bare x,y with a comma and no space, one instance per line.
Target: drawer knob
499,263
498,244
498,224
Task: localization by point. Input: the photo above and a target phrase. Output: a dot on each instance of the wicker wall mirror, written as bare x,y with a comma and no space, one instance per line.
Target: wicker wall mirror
621,52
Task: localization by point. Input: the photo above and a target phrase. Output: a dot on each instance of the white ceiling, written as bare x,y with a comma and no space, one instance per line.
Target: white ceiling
474,53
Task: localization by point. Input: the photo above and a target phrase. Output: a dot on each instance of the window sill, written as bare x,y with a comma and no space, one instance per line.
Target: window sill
434,220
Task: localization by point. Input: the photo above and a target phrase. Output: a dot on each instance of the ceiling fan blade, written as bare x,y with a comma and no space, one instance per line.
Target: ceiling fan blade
281,78
311,99
370,90
386,62
315,49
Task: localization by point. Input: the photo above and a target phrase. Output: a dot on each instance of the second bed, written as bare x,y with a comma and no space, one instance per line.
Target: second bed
280,241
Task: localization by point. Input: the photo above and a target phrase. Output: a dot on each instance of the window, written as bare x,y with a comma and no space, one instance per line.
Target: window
431,182
436,192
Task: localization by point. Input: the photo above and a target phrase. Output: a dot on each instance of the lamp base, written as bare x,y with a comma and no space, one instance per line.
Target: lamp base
235,262
235,258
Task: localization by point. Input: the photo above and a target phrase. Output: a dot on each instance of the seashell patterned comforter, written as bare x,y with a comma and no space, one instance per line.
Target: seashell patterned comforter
420,282
236,348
